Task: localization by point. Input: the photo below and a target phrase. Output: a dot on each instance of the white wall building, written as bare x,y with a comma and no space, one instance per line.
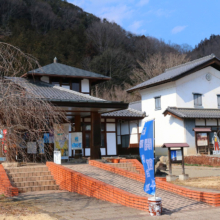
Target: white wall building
181,100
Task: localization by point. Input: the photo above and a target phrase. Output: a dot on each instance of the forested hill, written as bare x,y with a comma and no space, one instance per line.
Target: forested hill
206,47
49,28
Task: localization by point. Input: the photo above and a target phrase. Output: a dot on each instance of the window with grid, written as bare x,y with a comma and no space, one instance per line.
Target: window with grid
197,100
218,100
157,103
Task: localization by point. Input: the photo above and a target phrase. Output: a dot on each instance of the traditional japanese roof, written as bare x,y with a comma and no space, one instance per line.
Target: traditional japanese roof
50,92
174,145
130,113
192,112
179,71
58,69
199,129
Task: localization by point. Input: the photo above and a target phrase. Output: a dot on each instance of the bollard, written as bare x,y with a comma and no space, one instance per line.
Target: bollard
155,206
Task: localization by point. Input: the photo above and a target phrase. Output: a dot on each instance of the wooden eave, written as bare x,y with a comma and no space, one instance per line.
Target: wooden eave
169,113
67,76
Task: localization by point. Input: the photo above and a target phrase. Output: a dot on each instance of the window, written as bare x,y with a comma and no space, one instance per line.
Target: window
218,100
157,103
197,100
125,139
75,86
87,142
55,81
102,139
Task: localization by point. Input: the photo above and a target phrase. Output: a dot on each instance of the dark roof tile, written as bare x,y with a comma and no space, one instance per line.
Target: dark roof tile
173,72
125,113
64,70
193,112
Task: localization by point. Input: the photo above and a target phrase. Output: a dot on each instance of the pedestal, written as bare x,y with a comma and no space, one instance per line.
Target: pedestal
170,178
155,206
183,177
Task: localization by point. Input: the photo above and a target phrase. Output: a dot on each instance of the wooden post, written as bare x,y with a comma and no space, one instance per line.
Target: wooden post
95,136
170,166
77,123
209,152
183,169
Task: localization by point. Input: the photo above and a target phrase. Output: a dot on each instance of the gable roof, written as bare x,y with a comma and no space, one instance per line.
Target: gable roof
58,69
50,92
126,113
179,71
192,113
67,98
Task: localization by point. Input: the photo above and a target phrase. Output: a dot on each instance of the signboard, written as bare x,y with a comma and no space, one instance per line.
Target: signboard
51,137
176,155
146,149
41,146
46,138
31,147
2,159
216,144
202,139
61,139
4,141
76,141
57,157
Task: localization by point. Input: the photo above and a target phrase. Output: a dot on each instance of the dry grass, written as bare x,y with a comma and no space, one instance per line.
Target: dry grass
201,182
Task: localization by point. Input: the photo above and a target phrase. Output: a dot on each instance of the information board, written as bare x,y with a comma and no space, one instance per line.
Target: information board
176,155
76,140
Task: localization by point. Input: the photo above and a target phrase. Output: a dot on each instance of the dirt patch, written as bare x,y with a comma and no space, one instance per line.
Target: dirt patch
17,210
27,217
202,182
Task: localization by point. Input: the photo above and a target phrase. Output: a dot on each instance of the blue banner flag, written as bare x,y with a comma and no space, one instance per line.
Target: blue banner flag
146,149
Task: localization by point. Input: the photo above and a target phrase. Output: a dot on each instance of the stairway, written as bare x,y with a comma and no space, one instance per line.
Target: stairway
31,178
125,166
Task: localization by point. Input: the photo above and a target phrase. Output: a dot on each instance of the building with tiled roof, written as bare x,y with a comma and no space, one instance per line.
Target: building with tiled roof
181,100
106,128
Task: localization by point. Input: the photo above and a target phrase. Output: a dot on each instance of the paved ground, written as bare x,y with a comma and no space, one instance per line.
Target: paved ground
196,171
67,206
170,201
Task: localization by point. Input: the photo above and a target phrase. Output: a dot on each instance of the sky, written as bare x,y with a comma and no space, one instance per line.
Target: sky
174,21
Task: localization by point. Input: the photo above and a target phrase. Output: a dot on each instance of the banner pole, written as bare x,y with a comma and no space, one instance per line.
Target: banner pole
154,160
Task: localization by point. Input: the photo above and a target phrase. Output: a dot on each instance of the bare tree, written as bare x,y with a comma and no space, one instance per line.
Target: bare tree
42,16
105,35
156,65
115,93
25,116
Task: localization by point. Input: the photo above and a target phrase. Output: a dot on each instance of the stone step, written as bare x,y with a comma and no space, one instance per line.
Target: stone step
27,169
35,183
37,188
31,178
26,174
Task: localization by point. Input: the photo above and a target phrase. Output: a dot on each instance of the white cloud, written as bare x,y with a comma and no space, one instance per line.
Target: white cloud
178,29
143,2
116,13
134,27
161,12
